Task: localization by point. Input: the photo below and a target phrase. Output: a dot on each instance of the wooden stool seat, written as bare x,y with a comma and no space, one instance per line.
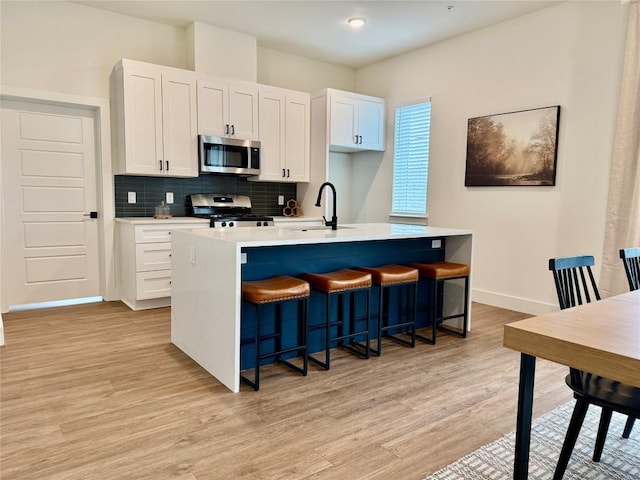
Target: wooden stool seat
391,274
385,277
338,280
340,283
439,273
438,270
277,290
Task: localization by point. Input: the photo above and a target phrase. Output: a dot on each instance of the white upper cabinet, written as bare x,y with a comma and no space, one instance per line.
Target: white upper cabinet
227,109
284,135
356,122
154,120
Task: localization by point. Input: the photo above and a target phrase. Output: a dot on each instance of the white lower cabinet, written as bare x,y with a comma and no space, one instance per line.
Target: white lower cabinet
144,260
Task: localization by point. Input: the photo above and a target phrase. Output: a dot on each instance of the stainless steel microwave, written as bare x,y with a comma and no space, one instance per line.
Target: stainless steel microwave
229,155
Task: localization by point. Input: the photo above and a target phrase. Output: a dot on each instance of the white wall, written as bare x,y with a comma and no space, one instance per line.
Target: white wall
298,73
71,48
568,55
221,52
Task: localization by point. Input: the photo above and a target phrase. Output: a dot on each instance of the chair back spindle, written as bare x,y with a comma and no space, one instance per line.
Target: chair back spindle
631,259
574,280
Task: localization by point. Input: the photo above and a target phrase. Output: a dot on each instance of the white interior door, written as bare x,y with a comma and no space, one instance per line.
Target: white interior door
49,190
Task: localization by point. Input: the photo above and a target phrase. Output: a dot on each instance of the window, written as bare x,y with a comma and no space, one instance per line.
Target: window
411,159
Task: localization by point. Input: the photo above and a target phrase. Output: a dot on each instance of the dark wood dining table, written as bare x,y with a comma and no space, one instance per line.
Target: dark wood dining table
600,337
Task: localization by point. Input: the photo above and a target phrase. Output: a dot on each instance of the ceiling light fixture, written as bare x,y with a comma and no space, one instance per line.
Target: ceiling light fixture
356,22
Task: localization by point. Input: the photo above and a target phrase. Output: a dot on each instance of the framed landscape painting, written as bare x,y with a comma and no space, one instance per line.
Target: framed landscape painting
516,148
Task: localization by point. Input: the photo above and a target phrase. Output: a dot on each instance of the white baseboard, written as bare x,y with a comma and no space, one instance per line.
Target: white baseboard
517,304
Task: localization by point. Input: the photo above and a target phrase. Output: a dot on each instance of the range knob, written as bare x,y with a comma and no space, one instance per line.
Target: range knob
223,224
231,224
258,224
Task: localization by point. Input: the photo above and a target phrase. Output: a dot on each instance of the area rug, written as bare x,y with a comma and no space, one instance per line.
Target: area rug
620,458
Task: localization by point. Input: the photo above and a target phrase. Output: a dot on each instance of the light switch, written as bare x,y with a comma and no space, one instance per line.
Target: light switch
131,197
280,199
169,198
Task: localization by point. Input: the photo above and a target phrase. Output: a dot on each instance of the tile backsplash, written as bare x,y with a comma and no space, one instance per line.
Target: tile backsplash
150,191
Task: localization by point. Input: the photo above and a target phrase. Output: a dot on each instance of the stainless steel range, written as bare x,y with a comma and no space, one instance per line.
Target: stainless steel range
227,210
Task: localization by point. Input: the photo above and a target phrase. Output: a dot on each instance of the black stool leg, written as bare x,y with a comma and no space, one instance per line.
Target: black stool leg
464,314
433,309
378,351
414,312
303,332
327,336
255,384
302,340
352,327
409,313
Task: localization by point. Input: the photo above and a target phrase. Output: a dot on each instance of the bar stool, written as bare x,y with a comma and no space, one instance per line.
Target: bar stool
387,277
338,283
277,290
439,273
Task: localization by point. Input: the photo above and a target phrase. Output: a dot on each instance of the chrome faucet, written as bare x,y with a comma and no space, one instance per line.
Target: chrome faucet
334,219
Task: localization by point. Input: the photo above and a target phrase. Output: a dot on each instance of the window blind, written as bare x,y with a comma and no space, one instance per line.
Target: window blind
411,159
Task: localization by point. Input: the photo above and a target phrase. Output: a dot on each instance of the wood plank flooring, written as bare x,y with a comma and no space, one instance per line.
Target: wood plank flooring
99,392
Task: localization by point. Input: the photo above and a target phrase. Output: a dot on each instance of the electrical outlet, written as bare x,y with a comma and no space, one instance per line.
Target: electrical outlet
436,243
280,199
131,197
169,197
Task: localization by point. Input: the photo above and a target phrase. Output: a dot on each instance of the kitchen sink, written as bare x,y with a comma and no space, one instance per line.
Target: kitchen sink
312,228
322,227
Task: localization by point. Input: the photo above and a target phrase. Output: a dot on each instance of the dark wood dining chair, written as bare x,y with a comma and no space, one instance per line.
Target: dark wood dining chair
576,285
631,260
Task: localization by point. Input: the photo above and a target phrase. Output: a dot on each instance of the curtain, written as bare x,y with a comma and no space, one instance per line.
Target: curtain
622,227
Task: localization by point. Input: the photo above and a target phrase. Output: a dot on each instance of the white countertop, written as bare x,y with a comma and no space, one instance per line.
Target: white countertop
151,220
300,235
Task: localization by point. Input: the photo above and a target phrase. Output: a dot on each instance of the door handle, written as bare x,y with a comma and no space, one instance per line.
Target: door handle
90,214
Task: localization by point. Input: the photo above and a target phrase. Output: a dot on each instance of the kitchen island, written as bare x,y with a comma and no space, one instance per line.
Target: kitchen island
209,265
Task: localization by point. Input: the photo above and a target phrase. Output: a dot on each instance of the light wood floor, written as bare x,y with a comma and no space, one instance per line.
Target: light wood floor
99,392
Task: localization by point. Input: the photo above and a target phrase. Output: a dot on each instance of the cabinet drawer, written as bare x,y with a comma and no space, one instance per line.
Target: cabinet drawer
153,284
153,256
161,233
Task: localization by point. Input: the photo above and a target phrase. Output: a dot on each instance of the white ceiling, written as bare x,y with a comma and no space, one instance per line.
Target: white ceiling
318,29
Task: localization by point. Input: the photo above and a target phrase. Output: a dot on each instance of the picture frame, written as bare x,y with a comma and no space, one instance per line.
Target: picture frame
513,149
